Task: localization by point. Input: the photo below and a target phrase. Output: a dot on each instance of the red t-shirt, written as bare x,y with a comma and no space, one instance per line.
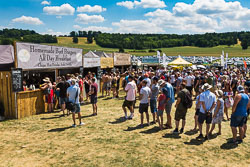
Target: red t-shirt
95,88
81,85
162,102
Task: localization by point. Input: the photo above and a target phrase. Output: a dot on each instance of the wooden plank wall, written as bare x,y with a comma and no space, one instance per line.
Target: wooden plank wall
30,103
7,97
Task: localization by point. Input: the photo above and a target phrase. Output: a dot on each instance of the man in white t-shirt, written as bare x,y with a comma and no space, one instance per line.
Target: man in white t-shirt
130,89
189,82
147,80
145,93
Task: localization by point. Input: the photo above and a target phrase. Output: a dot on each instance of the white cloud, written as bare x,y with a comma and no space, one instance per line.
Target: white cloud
52,32
65,9
94,28
127,4
143,4
45,3
203,16
77,27
28,20
85,19
137,26
91,9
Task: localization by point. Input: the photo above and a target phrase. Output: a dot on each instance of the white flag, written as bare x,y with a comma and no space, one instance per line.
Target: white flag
226,60
223,53
211,59
164,60
222,60
194,58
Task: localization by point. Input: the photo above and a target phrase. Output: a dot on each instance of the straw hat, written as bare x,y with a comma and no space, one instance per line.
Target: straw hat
206,86
46,80
219,93
161,82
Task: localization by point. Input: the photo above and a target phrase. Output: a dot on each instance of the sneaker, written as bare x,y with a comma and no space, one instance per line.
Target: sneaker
175,131
74,125
200,136
81,124
126,117
239,141
232,142
181,131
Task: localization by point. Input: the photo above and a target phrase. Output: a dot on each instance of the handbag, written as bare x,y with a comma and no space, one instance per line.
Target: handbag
72,106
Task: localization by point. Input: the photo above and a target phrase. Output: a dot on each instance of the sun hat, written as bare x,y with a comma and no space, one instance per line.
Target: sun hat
206,86
219,93
161,82
240,89
46,79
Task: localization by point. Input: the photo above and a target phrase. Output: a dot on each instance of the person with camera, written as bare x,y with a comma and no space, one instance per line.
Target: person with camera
73,105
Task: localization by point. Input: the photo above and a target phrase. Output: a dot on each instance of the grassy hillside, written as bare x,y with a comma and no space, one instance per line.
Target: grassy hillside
184,51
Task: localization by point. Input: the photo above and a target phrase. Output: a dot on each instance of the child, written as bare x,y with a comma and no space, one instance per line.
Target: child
218,112
161,107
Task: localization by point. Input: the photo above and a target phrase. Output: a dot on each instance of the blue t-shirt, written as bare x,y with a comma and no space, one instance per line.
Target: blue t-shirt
209,98
170,92
241,109
72,90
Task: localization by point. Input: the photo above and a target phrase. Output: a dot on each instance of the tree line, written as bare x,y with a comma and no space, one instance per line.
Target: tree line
153,41
7,36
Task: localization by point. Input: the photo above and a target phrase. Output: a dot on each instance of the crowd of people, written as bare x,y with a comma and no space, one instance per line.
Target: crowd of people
213,91
66,94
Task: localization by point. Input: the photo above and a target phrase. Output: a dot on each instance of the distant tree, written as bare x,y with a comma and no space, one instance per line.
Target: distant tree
90,39
75,39
244,44
121,50
6,41
73,34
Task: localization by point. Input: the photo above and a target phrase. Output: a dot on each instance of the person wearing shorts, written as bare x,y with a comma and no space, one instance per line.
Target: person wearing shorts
93,96
153,98
239,114
181,109
130,89
168,90
208,102
161,107
145,93
73,93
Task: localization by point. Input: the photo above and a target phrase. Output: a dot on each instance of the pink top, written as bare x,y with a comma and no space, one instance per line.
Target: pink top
131,91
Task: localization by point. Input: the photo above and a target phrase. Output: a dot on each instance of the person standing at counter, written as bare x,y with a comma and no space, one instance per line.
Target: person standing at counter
62,86
49,93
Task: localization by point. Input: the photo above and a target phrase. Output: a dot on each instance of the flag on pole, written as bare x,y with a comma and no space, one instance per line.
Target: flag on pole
194,58
226,60
211,59
245,64
164,60
222,60
158,55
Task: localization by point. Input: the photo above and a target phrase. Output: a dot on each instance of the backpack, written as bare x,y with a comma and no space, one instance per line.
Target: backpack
188,102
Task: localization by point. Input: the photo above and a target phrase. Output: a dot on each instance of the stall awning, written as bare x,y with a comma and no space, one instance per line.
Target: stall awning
90,54
91,60
6,54
180,62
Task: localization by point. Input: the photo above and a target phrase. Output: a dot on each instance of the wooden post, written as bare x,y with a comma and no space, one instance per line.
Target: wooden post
16,66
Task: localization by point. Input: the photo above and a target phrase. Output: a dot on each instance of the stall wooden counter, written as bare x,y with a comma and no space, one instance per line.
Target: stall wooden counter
30,103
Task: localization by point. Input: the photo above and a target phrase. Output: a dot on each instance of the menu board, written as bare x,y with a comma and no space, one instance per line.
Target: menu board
17,79
99,73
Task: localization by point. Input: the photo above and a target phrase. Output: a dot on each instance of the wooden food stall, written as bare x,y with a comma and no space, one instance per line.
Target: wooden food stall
122,61
35,58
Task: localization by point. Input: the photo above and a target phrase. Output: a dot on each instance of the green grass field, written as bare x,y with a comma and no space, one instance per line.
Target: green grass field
234,51
109,141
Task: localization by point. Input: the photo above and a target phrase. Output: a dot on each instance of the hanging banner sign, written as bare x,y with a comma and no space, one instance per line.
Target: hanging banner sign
150,60
121,59
91,62
107,62
35,56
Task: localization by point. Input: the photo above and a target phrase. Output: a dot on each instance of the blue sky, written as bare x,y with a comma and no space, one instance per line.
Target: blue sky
126,16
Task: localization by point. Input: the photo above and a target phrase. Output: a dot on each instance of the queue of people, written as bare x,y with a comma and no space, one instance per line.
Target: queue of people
214,91
67,94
